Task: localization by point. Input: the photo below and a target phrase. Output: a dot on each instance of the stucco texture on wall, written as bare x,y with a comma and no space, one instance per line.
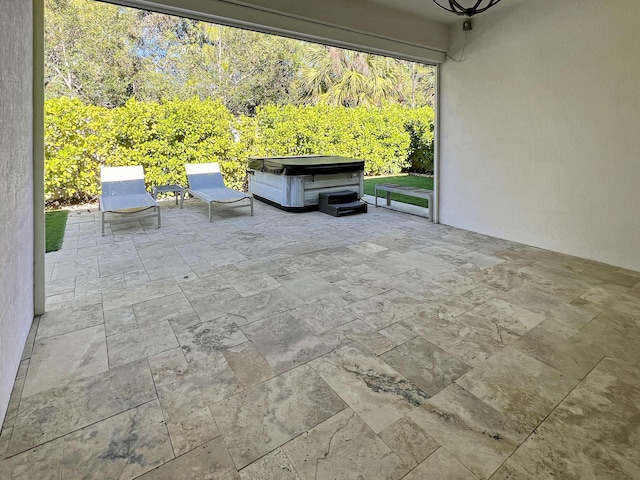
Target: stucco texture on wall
16,189
539,128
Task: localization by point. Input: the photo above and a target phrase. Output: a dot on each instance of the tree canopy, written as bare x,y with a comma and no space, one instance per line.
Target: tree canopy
104,55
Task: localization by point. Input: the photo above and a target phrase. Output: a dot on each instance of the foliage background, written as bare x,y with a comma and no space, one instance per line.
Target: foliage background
105,54
163,136
133,87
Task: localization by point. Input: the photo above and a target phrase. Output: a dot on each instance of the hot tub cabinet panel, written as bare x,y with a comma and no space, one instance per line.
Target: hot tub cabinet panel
295,183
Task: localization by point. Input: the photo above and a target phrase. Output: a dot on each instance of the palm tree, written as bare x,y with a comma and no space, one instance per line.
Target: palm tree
343,77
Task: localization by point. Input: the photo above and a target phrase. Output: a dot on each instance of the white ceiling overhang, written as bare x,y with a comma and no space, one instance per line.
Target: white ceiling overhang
370,26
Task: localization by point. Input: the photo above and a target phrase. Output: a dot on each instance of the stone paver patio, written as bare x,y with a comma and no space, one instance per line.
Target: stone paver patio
303,346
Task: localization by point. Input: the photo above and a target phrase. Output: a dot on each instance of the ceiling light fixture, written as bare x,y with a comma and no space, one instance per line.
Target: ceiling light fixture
479,6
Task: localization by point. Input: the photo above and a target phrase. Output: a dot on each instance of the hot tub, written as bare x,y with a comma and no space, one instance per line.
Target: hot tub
294,183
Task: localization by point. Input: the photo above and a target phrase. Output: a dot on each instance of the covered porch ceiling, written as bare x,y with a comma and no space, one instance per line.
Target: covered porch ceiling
416,30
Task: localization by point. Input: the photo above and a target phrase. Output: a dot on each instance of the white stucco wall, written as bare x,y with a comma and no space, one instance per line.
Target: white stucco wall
540,128
16,189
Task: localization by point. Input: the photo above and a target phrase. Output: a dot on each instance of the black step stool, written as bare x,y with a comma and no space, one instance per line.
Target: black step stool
341,203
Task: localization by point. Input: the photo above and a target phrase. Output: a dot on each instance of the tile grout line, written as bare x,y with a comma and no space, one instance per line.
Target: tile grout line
533,432
164,418
37,319
81,428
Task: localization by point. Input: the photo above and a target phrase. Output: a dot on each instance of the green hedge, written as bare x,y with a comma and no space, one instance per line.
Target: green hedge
162,137
75,136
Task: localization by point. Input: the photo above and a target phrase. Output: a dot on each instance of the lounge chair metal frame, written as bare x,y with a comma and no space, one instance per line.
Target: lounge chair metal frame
207,183
124,193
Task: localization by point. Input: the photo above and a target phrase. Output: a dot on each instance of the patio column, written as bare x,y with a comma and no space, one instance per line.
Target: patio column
38,159
435,208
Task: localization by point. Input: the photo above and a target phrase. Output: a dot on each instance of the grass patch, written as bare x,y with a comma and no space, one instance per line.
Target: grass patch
54,225
404,180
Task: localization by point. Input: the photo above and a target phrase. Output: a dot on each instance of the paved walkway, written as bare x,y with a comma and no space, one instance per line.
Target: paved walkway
303,346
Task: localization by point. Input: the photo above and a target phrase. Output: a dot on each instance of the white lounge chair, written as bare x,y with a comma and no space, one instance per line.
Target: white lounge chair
207,184
124,192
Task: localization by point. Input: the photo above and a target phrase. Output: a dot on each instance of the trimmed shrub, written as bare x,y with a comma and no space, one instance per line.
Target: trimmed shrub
74,148
419,122
376,135
162,137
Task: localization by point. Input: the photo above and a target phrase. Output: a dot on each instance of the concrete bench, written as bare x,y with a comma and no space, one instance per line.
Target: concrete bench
390,188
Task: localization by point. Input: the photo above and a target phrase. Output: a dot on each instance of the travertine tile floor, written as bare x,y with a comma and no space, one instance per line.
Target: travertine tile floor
303,346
